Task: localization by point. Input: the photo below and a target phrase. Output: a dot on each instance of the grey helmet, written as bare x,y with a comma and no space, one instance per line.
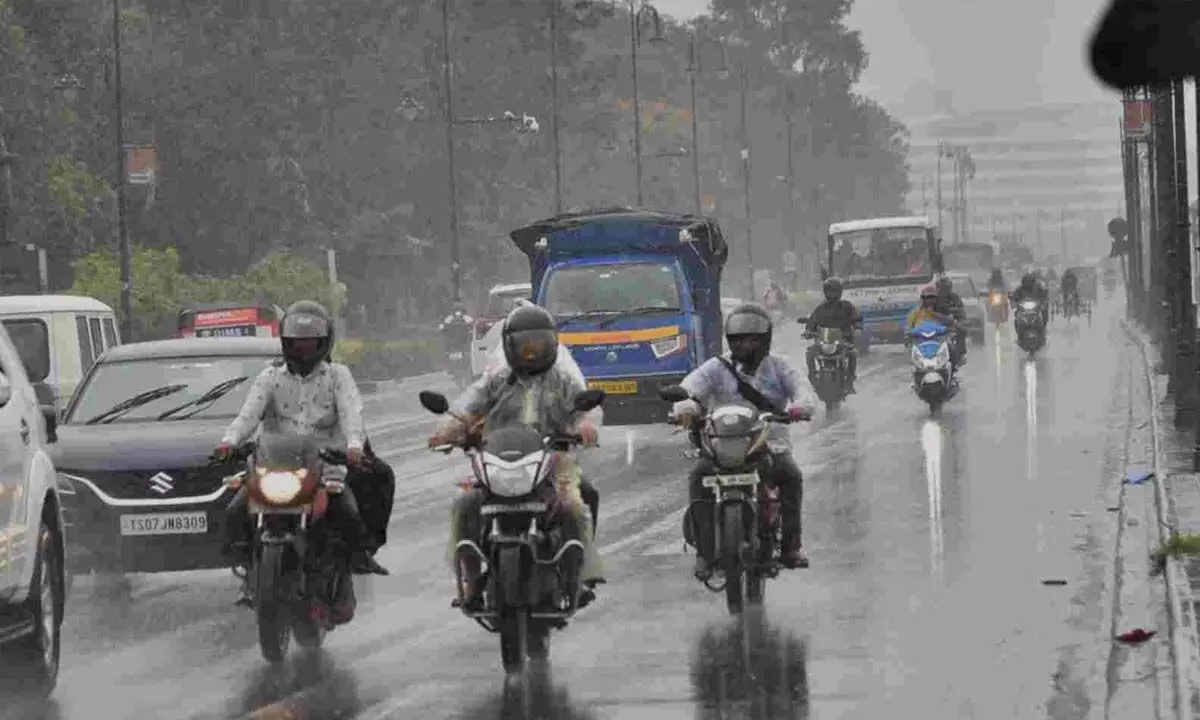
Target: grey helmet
303,321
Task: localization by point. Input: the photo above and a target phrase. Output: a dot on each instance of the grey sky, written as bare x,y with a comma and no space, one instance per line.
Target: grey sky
985,53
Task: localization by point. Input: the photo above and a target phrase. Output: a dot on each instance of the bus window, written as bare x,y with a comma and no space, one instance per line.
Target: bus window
86,354
110,333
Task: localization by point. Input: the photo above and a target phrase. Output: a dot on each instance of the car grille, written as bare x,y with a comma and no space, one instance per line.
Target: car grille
157,484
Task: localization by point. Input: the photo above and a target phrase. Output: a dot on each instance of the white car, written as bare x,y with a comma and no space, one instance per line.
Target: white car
486,338
966,289
32,531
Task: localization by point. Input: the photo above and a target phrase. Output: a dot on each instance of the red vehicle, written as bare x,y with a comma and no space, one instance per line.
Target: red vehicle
230,320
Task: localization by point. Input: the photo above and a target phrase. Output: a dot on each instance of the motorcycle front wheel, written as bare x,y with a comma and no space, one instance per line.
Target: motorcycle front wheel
271,604
514,617
732,535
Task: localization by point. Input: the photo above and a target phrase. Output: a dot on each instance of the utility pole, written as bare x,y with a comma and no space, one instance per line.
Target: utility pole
1180,262
1165,202
939,188
791,179
693,71
122,227
554,111
746,160
634,21
452,183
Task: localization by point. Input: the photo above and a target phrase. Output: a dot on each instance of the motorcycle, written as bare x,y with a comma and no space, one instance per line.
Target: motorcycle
530,567
297,565
934,378
746,527
1030,326
997,304
459,367
831,366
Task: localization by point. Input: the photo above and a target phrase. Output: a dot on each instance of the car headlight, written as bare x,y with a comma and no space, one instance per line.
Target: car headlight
511,482
668,346
279,487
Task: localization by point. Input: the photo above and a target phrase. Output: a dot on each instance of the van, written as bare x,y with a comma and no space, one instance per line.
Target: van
59,337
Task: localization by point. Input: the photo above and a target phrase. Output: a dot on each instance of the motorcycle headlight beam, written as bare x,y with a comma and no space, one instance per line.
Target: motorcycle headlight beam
280,487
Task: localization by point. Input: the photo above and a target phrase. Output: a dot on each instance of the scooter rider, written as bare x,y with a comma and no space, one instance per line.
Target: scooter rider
842,315
535,387
996,281
308,395
1031,288
748,331
950,304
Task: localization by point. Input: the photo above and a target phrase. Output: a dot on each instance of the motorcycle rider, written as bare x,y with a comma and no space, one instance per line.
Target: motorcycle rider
775,297
748,331
950,304
1032,288
308,395
842,315
1070,291
457,328
928,311
535,387
996,281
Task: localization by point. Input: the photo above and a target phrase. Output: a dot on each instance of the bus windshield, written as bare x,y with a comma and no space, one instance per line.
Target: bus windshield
896,253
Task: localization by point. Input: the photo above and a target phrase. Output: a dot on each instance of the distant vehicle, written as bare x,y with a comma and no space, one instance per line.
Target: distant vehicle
134,444
59,337
973,303
230,320
501,300
33,583
883,262
974,259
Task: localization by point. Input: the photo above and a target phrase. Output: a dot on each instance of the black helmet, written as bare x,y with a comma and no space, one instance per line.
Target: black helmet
832,287
748,331
302,322
1028,281
530,340
944,285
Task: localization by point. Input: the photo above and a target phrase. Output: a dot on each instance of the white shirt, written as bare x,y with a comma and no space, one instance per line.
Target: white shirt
324,404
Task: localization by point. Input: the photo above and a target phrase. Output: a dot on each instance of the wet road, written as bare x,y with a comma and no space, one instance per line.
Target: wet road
931,539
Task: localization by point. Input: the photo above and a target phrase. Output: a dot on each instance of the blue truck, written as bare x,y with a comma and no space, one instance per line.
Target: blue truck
637,296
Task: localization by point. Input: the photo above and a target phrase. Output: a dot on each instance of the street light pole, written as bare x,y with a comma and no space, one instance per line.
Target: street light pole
448,80
694,69
554,121
122,228
637,109
791,178
746,183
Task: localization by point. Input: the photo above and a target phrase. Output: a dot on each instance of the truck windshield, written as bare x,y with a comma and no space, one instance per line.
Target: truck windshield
881,253
615,288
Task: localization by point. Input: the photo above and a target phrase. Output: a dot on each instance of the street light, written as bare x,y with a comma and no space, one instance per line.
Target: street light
122,227
693,71
636,17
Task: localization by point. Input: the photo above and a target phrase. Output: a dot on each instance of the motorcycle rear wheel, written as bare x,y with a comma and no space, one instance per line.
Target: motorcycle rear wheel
271,605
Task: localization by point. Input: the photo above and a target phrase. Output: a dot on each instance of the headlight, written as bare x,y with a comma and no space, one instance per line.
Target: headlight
829,348
1029,305
511,482
668,346
279,487
995,299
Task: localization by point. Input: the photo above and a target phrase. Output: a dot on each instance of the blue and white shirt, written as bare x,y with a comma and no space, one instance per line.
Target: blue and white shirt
712,384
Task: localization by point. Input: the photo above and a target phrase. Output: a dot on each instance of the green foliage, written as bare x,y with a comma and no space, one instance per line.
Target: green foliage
161,289
390,359
1181,545
73,187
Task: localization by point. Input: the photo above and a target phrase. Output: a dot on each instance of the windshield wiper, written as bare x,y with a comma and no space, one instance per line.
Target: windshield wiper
567,319
136,401
202,403
638,311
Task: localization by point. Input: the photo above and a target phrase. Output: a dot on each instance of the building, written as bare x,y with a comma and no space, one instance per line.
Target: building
1049,174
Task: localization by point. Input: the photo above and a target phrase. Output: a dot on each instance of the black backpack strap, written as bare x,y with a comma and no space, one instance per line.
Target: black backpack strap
748,391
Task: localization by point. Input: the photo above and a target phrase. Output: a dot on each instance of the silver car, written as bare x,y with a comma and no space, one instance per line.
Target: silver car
966,289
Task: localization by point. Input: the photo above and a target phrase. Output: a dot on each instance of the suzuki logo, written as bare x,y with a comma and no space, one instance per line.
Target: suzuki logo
162,483
611,357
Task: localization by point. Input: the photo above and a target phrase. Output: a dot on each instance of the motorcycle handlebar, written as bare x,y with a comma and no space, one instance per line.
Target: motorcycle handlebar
448,448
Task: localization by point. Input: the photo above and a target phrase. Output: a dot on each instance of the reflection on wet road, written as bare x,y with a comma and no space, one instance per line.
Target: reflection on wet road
930,539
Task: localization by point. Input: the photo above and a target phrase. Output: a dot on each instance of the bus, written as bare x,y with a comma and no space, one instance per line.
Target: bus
882,263
230,320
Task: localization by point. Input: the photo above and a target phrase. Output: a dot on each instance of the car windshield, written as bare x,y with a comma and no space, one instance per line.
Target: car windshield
883,253
501,304
615,288
114,382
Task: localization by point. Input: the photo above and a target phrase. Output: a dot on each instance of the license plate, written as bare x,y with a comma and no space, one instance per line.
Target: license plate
616,387
256,509
456,356
887,327
531,507
181,523
729,480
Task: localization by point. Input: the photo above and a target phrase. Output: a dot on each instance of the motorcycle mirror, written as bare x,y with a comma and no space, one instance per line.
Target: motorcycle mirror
434,402
589,399
674,393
